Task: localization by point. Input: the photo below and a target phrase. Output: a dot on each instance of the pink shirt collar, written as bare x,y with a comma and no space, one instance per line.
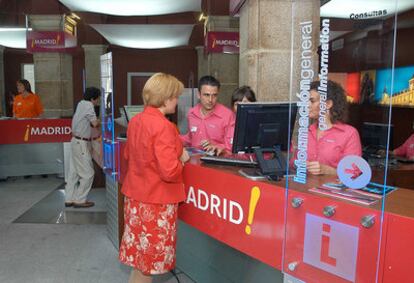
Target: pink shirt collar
337,126
217,110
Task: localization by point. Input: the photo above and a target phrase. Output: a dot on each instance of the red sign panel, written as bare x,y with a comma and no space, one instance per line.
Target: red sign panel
246,215
50,41
222,42
335,249
35,131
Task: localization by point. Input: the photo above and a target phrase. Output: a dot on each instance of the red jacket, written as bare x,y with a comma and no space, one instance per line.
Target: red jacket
153,150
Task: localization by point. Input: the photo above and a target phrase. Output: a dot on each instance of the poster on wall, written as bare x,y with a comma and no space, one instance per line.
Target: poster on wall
402,92
350,83
367,86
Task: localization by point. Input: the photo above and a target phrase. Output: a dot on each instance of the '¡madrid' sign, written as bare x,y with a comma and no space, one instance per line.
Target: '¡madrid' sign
49,41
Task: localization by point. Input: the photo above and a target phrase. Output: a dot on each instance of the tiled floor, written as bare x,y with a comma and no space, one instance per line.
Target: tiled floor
75,248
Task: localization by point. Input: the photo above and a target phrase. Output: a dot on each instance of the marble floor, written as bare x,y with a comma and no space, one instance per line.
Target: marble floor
42,241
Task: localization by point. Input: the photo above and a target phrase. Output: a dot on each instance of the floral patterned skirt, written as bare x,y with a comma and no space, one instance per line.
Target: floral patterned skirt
149,239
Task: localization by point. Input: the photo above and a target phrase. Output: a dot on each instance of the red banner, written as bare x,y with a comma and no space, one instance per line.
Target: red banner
50,41
35,131
222,42
246,215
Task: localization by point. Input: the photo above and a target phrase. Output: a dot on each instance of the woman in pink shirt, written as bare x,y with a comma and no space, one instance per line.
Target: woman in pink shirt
406,149
329,139
243,94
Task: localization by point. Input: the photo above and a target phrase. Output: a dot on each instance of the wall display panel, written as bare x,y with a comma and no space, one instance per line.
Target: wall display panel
327,239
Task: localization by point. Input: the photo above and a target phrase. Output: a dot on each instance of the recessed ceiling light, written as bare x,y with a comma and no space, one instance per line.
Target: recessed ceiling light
145,36
13,37
133,7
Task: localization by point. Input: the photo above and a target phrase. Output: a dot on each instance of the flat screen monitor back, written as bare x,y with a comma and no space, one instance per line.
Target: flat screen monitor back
132,110
263,125
374,136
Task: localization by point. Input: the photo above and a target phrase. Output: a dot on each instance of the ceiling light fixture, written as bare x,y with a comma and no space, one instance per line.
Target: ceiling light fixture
202,17
13,37
74,16
133,7
145,36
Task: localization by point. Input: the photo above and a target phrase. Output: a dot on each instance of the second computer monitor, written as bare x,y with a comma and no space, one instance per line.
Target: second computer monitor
263,125
374,136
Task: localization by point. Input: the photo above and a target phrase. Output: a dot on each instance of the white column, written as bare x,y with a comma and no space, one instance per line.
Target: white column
93,53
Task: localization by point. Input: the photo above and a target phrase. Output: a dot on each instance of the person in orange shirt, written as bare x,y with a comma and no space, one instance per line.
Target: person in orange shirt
153,184
26,104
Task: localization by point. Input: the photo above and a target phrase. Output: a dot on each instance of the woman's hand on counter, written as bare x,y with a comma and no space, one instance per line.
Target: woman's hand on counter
316,168
184,156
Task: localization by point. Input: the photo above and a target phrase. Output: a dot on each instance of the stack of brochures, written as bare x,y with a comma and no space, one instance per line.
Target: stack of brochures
194,151
370,194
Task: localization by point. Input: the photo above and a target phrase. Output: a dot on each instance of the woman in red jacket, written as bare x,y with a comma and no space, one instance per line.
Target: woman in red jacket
153,185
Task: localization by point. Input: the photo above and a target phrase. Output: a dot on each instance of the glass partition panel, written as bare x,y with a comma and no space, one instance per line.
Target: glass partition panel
107,116
344,84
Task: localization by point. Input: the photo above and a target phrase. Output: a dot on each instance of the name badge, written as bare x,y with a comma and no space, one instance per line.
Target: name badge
193,129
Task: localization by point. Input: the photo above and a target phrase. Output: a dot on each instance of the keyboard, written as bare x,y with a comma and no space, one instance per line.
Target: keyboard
380,162
403,159
230,161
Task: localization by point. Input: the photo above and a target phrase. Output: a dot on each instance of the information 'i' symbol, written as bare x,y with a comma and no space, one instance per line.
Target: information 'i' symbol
254,198
26,134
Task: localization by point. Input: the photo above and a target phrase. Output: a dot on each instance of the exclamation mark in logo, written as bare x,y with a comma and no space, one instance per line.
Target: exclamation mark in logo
254,198
26,134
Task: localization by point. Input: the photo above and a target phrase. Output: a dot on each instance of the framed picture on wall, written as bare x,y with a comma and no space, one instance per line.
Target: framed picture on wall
401,92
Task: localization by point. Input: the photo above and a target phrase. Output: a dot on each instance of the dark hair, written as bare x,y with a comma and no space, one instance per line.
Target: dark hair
241,92
26,85
91,93
336,94
208,80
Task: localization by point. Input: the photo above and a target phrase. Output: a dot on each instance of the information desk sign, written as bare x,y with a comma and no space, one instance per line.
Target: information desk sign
335,204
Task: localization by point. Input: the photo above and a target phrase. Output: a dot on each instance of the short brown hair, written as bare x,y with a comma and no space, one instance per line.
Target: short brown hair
159,88
242,92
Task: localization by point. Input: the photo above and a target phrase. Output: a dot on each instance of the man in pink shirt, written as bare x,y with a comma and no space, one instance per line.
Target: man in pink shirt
209,122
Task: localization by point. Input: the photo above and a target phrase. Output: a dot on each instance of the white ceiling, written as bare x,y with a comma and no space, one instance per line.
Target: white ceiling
145,36
133,7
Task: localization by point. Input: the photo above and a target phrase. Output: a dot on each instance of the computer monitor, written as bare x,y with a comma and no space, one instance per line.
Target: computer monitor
374,136
263,125
132,110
